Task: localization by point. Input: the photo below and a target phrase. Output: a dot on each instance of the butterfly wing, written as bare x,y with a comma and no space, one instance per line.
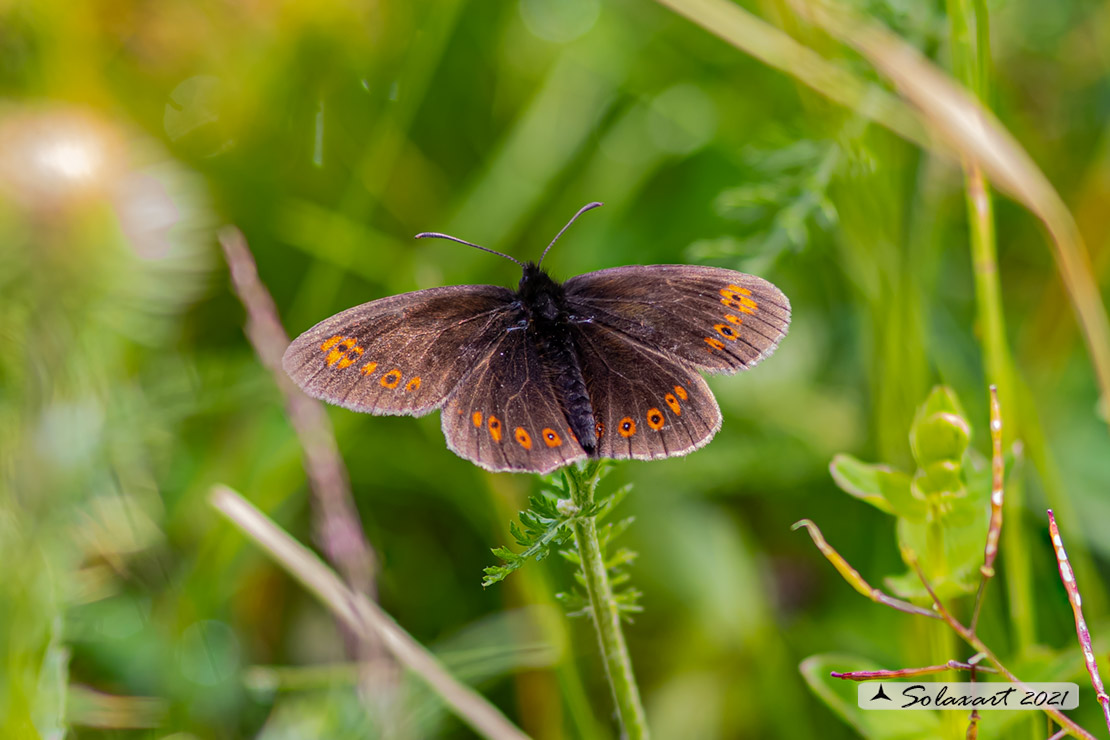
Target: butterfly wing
403,354
505,415
646,404
714,319
642,334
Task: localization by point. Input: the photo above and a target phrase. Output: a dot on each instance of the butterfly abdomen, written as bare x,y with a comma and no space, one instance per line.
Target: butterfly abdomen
549,330
561,361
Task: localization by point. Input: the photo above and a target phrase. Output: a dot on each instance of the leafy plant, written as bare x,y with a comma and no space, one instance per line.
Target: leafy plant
939,437
547,526
941,509
570,511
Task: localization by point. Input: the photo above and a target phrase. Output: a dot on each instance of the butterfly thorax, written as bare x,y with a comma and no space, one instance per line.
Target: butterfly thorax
544,303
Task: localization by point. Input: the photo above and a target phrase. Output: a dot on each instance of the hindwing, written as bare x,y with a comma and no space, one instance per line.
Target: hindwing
506,415
647,405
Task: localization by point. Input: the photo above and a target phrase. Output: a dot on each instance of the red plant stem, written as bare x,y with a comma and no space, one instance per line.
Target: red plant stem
973,640
1068,577
973,727
990,551
994,530
952,665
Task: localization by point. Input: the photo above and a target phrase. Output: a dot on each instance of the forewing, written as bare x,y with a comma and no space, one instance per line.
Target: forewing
504,414
403,354
646,404
715,319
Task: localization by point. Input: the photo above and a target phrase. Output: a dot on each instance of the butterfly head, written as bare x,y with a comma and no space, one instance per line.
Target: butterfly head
543,296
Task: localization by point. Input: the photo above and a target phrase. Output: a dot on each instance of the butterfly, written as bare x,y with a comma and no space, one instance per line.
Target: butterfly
607,364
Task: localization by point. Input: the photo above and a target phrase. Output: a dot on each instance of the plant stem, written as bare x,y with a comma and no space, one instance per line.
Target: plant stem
970,57
531,586
942,643
362,615
974,641
603,607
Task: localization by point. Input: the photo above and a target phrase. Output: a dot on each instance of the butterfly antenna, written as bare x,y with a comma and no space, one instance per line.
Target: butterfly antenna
437,235
583,209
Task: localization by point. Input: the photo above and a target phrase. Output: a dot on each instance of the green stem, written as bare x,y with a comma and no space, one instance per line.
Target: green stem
970,60
603,607
1014,398
983,47
531,586
942,643
988,296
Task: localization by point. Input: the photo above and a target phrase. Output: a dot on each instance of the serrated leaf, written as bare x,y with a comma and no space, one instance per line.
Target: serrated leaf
624,556
614,499
505,554
517,535
575,604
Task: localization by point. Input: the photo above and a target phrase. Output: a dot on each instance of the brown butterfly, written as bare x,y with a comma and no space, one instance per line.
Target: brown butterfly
606,364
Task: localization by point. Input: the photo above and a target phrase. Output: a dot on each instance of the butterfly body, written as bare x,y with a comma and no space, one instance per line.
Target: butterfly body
549,326
606,364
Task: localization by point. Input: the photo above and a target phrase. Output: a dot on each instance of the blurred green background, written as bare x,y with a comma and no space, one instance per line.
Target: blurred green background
330,132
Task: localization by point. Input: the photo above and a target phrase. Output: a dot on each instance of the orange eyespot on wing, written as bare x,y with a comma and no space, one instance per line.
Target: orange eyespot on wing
407,354
736,297
329,343
599,429
726,331
341,350
349,359
626,427
391,379
495,428
523,438
551,438
655,419
476,417
714,343
680,392
738,306
733,319
672,402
